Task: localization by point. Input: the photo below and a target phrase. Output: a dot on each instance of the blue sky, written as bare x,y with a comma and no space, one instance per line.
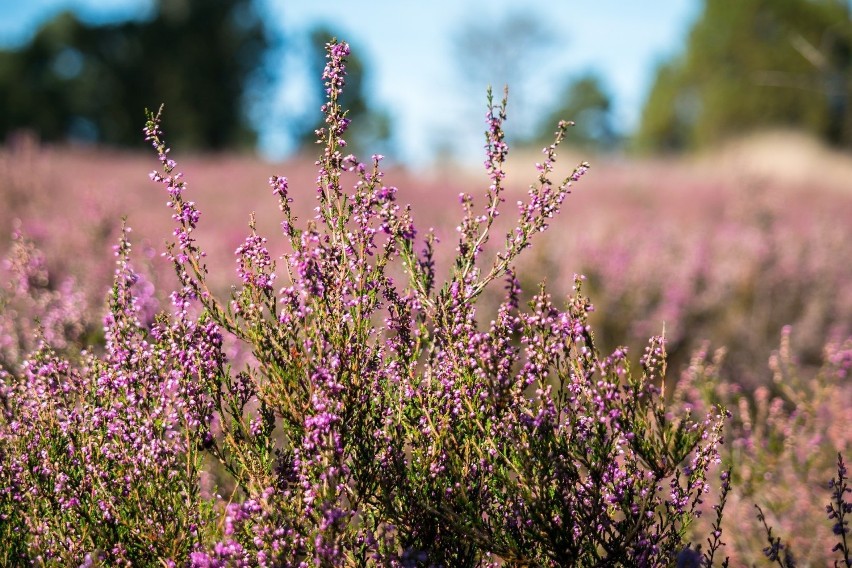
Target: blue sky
413,68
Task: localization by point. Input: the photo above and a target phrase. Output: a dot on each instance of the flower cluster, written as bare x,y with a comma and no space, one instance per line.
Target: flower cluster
89,448
35,307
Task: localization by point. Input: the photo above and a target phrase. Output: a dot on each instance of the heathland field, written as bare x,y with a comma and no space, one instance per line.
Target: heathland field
740,258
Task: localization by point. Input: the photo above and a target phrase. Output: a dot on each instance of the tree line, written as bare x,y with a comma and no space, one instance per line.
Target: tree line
746,65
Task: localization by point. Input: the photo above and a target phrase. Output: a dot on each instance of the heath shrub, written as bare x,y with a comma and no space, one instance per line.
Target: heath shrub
782,441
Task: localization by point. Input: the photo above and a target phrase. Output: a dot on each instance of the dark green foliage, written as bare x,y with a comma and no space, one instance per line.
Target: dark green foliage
75,81
752,64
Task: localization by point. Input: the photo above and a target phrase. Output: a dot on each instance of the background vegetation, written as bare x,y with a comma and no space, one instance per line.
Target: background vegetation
751,65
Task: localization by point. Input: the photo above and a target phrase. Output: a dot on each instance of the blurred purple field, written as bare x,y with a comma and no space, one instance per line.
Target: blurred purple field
726,248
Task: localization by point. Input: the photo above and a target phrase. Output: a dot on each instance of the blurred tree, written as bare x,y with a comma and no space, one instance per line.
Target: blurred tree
75,81
370,129
752,64
514,50
585,101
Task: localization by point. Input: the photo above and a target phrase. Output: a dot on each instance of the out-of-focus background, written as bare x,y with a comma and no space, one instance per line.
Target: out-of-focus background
673,76
421,69
718,207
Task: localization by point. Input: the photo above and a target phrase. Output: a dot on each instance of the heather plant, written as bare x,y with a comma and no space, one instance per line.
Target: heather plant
383,418
100,456
783,438
34,211
837,509
40,301
385,424
34,305
662,254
